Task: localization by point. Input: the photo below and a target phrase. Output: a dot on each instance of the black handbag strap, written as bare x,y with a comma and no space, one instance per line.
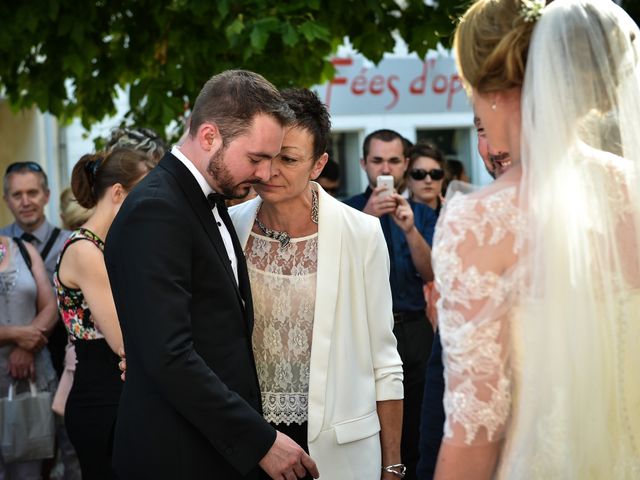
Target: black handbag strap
52,239
24,252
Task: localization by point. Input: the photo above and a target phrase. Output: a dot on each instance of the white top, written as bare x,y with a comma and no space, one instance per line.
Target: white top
354,359
283,283
206,189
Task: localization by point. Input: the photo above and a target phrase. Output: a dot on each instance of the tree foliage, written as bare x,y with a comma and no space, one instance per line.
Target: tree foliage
68,57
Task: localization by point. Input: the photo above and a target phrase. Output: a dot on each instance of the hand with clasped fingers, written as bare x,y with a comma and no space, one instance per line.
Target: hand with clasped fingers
21,364
28,337
27,341
287,460
122,365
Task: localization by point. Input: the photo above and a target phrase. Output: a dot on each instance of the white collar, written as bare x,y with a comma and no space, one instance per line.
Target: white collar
204,185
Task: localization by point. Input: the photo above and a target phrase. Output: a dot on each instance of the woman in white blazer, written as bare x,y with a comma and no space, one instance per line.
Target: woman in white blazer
330,374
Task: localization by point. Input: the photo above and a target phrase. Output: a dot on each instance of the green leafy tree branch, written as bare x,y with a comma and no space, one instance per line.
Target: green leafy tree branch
69,57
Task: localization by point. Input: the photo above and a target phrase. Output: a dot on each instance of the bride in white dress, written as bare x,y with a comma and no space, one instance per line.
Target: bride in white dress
540,272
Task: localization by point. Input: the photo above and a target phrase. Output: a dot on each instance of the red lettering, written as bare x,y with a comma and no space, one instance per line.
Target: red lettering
455,85
359,84
336,80
344,62
394,91
419,83
376,86
440,84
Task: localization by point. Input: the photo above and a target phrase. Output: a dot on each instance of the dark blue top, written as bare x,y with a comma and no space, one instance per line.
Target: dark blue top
406,282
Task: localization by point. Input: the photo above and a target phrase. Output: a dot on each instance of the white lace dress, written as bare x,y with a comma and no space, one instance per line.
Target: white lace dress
283,284
485,328
476,349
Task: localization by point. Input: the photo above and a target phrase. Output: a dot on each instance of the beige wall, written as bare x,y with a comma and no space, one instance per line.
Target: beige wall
20,141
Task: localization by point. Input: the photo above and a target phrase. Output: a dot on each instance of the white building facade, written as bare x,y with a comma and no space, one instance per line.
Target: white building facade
421,100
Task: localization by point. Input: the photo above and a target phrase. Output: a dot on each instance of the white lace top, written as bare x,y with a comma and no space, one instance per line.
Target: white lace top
474,309
283,284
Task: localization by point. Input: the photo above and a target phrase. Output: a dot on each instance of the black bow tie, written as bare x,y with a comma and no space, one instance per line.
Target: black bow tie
217,200
27,237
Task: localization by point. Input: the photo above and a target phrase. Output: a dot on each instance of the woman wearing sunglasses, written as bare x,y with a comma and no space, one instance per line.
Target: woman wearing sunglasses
425,175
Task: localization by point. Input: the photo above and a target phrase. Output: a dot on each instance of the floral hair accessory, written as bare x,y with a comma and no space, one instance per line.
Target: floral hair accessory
531,9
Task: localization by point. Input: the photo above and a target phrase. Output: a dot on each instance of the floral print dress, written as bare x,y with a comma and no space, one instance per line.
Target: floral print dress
71,303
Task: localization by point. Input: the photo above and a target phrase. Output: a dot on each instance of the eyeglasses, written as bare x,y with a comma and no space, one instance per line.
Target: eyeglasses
18,166
421,173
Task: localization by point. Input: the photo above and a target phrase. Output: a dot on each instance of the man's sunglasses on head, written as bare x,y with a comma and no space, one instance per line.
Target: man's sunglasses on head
18,166
421,173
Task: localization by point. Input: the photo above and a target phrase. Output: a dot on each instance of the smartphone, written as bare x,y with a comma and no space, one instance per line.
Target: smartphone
385,181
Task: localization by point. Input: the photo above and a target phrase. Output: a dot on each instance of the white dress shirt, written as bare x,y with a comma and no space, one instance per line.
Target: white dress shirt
206,189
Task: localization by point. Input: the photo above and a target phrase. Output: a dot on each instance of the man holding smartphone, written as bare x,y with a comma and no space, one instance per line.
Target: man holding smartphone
408,229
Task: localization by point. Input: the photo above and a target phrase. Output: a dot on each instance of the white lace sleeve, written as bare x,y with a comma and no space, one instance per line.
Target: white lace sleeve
476,244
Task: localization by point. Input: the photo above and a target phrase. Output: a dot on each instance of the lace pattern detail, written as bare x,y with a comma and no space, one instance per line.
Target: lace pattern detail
477,373
283,283
619,179
473,413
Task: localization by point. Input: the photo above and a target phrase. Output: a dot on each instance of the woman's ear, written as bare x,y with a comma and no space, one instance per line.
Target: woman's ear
118,193
319,165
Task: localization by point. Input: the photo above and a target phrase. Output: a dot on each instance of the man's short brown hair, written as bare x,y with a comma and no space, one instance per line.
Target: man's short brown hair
232,99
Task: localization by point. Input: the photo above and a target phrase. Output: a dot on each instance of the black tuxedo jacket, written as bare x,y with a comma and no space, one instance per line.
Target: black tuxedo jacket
190,407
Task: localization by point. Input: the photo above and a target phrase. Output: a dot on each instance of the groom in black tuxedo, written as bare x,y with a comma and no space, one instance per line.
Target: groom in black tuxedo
190,408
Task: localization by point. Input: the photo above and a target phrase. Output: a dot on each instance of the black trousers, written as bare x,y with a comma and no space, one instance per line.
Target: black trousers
415,336
91,409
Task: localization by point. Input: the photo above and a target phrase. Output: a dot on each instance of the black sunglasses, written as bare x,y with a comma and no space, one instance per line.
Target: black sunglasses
18,166
421,173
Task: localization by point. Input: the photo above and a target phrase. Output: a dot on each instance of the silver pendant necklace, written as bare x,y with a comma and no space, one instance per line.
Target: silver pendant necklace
283,237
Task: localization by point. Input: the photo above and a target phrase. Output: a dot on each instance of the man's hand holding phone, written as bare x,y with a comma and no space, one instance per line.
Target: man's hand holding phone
382,202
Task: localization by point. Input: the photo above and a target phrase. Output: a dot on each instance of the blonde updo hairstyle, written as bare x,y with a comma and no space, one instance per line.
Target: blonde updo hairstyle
73,214
491,45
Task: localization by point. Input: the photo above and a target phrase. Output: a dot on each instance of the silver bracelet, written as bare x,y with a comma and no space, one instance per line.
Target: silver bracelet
399,470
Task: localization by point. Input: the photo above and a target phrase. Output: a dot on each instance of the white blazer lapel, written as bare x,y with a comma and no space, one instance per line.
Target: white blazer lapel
329,249
243,216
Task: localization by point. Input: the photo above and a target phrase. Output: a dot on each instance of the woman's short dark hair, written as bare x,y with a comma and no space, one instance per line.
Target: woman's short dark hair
310,114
